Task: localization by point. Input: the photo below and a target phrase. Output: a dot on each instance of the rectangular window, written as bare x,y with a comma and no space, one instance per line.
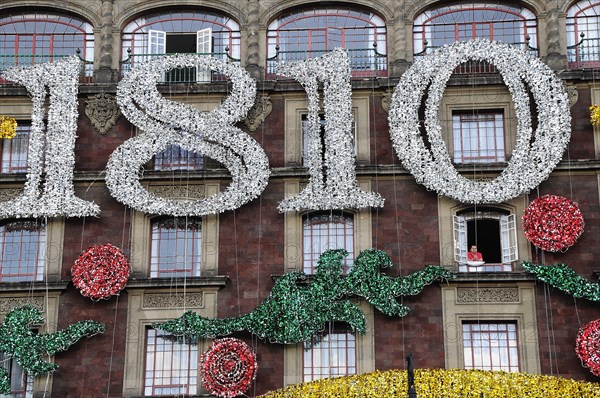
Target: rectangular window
478,137
176,248
329,354
171,365
21,384
490,346
22,248
177,158
14,151
325,231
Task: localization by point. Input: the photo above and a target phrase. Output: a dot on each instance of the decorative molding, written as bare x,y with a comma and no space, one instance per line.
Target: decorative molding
258,113
171,300
487,295
573,95
178,192
7,194
386,100
9,303
103,112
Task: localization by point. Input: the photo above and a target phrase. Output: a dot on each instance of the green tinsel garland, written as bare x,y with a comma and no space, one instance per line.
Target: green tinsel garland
563,277
29,349
293,313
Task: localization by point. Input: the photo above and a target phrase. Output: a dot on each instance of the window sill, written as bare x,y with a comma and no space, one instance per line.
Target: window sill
32,286
207,281
514,276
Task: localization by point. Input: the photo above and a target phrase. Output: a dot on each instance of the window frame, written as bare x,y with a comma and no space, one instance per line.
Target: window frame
331,220
491,302
309,35
8,149
82,41
511,347
158,236
37,240
349,348
148,305
470,126
577,44
190,372
296,107
225,33
508,243
423,38
141,229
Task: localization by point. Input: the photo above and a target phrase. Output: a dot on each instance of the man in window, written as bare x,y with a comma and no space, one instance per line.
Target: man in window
474,255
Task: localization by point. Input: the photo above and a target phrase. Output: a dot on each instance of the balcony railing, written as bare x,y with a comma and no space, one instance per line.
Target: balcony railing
364,63
180,75
476,67
8,61
585,54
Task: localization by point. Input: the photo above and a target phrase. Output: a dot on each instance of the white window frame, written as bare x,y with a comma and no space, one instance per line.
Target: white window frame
203,46
508,242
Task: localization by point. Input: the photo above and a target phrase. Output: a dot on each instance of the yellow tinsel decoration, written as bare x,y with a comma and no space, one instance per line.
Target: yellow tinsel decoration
440,383
8,127
595,114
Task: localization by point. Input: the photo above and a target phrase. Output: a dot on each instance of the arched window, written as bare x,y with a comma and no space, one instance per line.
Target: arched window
176,247
325,231
583,34
22,250
36,37
462,22
170,32
311,32
494,233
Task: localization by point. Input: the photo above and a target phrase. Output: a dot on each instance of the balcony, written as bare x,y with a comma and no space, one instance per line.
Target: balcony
8,61
180,75
585,54
365,63
478,67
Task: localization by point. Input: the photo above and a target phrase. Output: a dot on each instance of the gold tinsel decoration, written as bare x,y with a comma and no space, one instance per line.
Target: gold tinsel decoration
595,114
440,383
8,127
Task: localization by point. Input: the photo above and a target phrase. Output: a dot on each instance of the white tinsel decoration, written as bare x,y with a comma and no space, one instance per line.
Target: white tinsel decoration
165,122
52,147
531,162
332,183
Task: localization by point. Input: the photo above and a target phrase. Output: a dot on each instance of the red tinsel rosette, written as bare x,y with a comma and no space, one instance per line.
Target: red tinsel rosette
587,346
100,271
228,367
553,223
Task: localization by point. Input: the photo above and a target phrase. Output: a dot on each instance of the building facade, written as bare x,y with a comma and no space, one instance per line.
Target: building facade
493,317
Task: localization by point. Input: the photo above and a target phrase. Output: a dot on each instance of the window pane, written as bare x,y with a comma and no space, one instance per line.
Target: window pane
14,150
171,364
330,353
22,246
322,232
490,346
176,248
478,137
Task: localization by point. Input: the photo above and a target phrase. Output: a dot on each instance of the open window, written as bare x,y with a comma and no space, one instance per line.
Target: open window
160,42
494,233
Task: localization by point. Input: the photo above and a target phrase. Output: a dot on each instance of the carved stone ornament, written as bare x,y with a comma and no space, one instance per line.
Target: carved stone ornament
182,192
170,300
7,304
573,95
386,100
258,113
487,295
7,194
102,110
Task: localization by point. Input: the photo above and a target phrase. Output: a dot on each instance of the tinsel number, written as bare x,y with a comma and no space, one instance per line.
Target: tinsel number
164,123
332,183
51,146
